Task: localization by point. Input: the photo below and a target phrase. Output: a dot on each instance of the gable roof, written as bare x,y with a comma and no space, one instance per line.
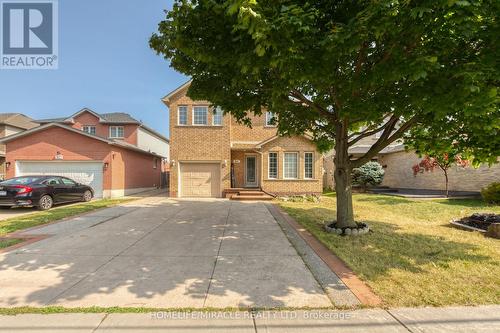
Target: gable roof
118,117
106,118
18,120
111,118
167,97
259,145
79,132
72,117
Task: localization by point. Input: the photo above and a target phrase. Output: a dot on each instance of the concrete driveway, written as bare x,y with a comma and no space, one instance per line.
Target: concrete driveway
160,252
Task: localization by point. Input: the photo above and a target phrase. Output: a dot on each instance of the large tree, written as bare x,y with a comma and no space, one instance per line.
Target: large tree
345,70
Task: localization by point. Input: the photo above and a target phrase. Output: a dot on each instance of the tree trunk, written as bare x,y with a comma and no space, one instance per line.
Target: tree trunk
342,175
446,182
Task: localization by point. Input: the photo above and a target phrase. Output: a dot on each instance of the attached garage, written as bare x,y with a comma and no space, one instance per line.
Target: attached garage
200,179
88,173
111,167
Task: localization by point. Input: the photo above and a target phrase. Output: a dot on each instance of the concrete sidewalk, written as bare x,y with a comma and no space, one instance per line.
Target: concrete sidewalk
482,319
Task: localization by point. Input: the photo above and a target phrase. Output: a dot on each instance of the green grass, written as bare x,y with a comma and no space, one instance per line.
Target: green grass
117,309
38,218
413,257
6,242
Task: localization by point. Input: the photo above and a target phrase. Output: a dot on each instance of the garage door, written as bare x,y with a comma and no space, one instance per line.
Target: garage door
88,173
200,179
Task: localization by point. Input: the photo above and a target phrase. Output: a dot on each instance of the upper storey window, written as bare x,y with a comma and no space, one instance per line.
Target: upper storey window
116,132
200,115
270,119
182,115
217,118
89,129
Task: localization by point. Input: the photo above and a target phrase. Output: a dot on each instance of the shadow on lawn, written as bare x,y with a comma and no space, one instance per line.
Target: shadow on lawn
384,200
388,246
470,203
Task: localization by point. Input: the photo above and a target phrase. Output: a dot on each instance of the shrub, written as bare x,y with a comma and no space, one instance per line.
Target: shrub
369,174
491,193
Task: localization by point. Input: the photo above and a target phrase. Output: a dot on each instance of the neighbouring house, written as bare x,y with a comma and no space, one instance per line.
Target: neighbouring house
397,163
12,123
114,153
212,155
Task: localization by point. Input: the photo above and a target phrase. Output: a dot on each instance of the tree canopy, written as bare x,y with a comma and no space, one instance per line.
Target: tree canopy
346,69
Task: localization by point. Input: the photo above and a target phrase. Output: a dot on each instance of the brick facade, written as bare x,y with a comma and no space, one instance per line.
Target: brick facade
301,185
102,130
230,143
197,143
399,174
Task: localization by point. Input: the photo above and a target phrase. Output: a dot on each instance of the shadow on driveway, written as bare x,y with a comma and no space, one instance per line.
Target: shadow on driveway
159,252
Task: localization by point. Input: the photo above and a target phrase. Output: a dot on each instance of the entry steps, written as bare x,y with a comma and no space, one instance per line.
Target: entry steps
250,194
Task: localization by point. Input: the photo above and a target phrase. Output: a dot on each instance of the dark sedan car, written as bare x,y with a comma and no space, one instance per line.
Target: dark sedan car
42,191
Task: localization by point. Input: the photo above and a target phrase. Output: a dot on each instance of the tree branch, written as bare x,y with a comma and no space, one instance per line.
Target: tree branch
363,134
361,58
298,95
384,141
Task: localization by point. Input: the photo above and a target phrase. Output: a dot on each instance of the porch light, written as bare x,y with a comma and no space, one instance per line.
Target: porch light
7,165
172,163
106,165
224,164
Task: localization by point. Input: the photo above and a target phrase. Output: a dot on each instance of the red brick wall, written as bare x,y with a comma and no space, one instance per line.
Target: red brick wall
127,168
86,118
134,170
44,145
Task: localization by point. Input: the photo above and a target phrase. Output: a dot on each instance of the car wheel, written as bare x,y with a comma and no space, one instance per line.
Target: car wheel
45,202
87,196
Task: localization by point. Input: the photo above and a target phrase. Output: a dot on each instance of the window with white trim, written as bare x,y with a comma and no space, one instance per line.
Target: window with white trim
273,165
290,165
182,115
89,129
200,115
308,166
270,119
116,132
217,117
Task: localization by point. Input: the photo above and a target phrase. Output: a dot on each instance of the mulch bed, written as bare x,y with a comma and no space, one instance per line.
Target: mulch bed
479,220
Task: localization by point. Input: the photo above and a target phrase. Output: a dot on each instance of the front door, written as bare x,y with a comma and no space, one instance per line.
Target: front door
250,171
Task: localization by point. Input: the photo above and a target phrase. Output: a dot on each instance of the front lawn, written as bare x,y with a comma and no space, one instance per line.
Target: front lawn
413,257
54,214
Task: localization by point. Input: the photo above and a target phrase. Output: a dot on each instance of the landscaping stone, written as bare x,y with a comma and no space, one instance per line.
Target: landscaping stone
360,230
494,230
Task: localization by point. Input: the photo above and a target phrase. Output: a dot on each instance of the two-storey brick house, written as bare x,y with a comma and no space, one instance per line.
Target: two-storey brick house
112,152
212,154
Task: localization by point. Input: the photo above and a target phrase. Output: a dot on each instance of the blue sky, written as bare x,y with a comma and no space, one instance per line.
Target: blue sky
105,64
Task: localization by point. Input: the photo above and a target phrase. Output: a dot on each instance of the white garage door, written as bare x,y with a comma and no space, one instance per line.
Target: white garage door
200,179
88,173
